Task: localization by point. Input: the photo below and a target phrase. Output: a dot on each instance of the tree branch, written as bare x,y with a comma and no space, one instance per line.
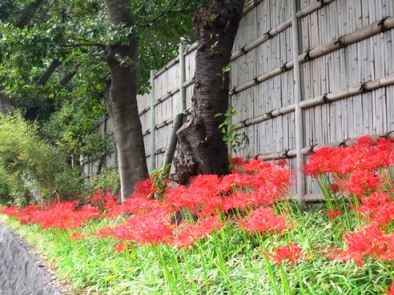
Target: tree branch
47,74
159,16
88,44
67,78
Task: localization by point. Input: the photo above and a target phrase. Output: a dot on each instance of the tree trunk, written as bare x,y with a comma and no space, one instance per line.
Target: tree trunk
201,149
122,103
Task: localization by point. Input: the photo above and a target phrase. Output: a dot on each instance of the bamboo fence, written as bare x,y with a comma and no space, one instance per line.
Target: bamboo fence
304,74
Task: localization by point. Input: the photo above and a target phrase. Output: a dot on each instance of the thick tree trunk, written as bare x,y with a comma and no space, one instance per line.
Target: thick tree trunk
122,103
201,149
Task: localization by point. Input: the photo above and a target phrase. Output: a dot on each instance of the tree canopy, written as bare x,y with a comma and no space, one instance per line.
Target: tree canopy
58,57
52,62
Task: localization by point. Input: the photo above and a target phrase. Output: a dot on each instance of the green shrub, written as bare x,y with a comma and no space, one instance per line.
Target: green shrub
31,167
107,179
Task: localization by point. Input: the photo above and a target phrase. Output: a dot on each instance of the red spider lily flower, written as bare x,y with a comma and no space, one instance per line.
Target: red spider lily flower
231,182
10,211
378,209
384,216
374,201
140,205
260,167
268,195
361,183
202,199
110,203
25,220
238,200
291,251
65,215
105,201
209,182
236,161
151,228
334,187
391,291
365,140
145,188
187,236
332,214
281,163
264,220
23,213
365,155
319,162
97,197
368,242
105,232
76,236
122,246
134,205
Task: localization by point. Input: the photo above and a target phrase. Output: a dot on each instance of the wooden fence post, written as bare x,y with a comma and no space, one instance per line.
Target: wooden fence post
297,99
153,120
178,119
182,78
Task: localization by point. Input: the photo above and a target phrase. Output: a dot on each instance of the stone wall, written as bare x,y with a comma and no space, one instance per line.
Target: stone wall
20,272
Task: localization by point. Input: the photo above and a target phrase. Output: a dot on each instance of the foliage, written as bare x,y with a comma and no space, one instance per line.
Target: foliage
235,140
160,179
235,234
106,180
76,33
69,99
29,166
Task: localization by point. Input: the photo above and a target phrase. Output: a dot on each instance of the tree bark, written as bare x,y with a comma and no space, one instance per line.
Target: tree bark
49,71
122,102
201,149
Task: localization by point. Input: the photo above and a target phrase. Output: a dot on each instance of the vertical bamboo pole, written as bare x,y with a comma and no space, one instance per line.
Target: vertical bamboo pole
297,99
182,78
178,120
153,120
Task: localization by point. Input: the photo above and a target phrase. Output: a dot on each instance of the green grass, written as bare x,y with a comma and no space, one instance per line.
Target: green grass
230,261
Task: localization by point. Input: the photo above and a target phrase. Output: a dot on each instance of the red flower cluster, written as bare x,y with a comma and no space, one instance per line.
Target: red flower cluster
332,214
251,185
391,291
77,236
186,234
378,209
365,155
368,242
61,215
264,220
357,169
291,251
104,202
